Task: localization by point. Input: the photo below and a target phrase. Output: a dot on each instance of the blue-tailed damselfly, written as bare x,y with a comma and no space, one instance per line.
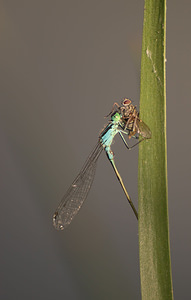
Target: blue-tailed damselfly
125,119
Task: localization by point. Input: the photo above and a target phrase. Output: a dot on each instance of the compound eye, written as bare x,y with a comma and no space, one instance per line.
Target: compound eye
126,102
115,117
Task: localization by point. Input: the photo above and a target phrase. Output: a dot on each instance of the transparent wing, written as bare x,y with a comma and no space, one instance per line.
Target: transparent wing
77,192
144,130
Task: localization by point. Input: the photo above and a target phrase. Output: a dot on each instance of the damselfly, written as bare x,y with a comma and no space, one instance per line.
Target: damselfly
125,119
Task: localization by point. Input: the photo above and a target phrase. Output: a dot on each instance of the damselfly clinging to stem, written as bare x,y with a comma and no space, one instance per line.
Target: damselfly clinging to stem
124,119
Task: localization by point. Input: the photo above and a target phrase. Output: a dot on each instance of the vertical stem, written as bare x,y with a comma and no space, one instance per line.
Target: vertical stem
155,266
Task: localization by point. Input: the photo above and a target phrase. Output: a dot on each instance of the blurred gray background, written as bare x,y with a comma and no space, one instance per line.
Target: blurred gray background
63,65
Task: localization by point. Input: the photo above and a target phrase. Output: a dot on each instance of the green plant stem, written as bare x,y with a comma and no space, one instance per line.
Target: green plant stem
155,266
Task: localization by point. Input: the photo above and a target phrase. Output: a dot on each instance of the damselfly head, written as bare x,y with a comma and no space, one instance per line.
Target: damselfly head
115,116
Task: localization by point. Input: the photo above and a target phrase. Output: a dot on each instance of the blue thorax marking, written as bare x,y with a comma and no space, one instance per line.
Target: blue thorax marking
107,136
